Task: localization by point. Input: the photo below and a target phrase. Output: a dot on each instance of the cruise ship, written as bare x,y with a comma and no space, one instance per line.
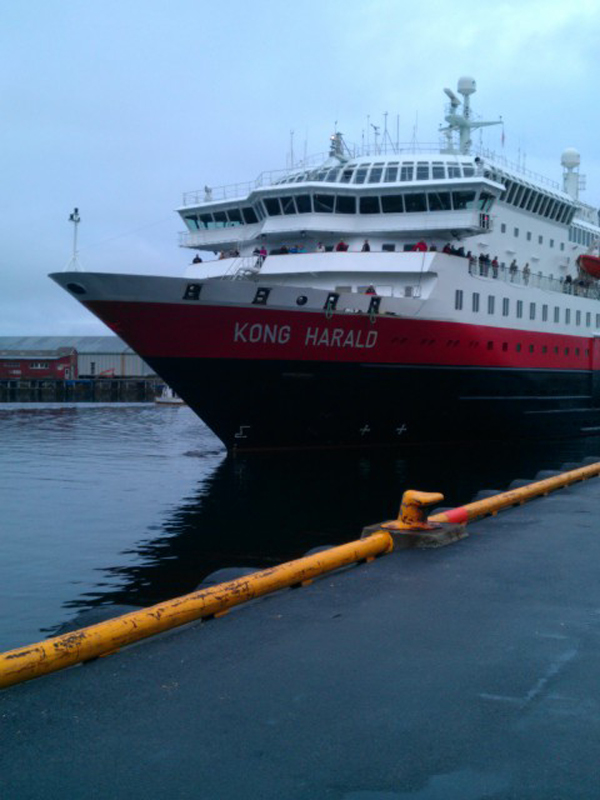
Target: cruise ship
377,296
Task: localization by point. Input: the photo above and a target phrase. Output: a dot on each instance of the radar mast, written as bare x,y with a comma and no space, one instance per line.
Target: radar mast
462,123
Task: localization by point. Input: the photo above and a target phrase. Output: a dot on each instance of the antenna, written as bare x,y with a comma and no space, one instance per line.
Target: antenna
74,261
376,133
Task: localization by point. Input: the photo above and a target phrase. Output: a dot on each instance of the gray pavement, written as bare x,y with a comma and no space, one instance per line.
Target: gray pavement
467,672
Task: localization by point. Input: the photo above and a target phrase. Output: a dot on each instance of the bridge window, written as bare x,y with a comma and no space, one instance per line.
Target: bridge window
324,203
437,170
422,171
347,175
345,205
361,173
369,205
485,201
250,217
439,201
463,200
376,172
332,175
407,171
415,202
287,204
391,172
392,204
454,171
234,216
192,222
468,170
272,206
304,204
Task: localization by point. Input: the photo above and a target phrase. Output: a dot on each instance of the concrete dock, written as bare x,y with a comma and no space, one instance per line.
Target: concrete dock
465,672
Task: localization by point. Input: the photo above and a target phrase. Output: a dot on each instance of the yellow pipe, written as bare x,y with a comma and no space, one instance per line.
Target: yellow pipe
53,654
491,505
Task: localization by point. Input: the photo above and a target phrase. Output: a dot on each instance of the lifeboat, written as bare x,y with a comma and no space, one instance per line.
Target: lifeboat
590,264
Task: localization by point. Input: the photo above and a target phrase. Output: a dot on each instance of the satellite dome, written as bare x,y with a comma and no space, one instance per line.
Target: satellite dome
467,85
570,158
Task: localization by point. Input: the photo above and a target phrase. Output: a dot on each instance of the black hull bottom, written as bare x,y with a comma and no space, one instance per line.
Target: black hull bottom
260,405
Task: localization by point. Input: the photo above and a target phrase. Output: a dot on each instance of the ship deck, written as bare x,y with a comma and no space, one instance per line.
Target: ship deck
467,671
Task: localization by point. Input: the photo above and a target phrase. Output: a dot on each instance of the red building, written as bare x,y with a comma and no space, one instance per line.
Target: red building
60,364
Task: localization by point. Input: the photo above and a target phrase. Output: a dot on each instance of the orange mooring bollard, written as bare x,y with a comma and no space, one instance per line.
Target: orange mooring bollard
413,512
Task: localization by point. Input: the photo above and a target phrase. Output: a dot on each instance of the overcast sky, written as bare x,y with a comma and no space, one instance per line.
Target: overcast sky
119,107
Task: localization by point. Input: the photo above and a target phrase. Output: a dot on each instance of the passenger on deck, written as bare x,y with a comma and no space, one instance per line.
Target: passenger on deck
420,247
366,247
196,260
526,274
447,249
320,247
341,246
512,270
495,266
370,290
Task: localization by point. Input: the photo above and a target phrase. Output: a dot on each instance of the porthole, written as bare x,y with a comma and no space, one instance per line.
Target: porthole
301,300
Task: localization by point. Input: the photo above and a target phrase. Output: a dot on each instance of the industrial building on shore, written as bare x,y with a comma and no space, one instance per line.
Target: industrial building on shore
77,368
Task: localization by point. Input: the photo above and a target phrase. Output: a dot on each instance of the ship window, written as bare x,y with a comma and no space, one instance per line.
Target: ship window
391,173
287,204
588,319
303,203
415,202
490,345
462,200
250,217
562,246
369,205
544,348
192,222
566,351
388,248
220,218
207,220
453,171
332,175
376,172
540,240
505,306
598,320
538,200
475,305
544,313
503,227
551,242
345,205
531,310
567,316
578,318
234,216
422,171
437,170
439,201
543,204
518,194
516,232
491,303
525,198
518,348
347,175
406,171
532,198
485,201
458,300
519,309
528,236
392,204
272,206
531,348
361,173
324,203
512,192
320,176
556,314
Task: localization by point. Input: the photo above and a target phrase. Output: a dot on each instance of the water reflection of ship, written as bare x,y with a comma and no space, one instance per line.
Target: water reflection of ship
257,511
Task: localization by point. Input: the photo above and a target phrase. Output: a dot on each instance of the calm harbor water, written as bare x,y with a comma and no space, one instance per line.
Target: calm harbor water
118,504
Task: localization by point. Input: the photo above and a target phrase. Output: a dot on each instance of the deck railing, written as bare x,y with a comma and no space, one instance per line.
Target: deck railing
520,277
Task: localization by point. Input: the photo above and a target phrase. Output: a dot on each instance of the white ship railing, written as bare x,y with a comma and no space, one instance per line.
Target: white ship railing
579,288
